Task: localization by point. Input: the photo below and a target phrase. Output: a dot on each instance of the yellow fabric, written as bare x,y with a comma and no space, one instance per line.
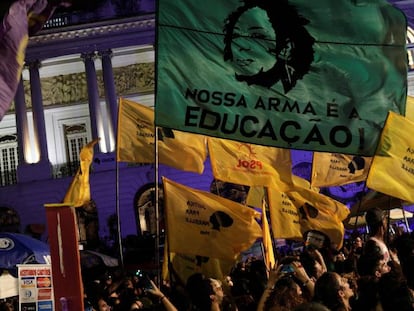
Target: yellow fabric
204,224
320,201
300,182
136,140
184,265
269,255
392,169
79,192
319,212
249,164
284,216
255,196
333,169
409,108
295,212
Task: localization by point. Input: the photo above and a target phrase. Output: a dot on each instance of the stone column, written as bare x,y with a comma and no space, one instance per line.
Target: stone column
110,93
93,96
38,112
42,169
23,139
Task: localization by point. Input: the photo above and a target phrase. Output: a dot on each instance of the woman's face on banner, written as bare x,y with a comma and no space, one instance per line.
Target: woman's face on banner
253,42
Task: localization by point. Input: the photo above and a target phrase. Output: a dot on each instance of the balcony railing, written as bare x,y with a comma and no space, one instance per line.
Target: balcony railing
8,178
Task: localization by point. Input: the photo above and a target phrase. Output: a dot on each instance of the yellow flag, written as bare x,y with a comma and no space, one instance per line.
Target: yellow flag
204,224
249,164
284,216
136,140
255,196
320,212
392,169
409,108
334,169
269,255
79,192
184,265
320,201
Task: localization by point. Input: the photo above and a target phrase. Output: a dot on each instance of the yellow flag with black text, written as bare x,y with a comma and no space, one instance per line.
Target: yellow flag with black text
320,212
79,192
335,169
250,164
136,140
204,224
295,212
392,169
284,216
182,266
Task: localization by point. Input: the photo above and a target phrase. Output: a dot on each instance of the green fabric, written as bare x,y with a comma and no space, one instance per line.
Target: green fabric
350,67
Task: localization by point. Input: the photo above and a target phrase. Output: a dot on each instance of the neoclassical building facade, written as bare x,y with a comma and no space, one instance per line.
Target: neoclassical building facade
68,96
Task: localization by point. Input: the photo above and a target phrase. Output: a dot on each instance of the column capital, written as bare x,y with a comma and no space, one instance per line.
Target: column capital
88,56
106,53
33,64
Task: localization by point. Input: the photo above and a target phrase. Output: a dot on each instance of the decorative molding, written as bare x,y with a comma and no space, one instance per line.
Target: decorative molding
139,30
72,89
93,30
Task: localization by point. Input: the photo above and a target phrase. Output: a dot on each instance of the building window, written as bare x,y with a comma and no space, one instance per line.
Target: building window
410,44
8,159
145,210
76,136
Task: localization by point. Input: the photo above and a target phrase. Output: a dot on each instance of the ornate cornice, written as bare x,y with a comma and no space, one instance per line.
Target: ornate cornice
110,34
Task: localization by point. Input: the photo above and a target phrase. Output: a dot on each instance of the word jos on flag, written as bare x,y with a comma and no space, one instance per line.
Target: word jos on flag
250,164
291,81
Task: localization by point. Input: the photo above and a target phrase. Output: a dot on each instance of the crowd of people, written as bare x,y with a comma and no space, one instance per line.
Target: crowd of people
372,272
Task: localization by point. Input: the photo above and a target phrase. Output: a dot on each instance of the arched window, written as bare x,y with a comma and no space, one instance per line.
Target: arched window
8,159
145,209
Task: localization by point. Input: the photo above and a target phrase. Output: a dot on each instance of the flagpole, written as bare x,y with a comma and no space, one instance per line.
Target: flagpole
359,206
157,213
266,204
121,255
118,213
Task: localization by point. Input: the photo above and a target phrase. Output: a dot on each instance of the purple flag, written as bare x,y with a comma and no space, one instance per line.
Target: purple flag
14,34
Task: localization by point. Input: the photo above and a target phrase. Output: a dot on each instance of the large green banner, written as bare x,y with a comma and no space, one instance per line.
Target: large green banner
313,75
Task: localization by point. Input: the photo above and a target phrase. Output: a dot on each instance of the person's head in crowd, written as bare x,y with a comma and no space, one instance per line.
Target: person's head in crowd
257,277
205,293
372,261
404,245
394,293
285,295
376,222
100,304
312,266
333,291
357,243
6,306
